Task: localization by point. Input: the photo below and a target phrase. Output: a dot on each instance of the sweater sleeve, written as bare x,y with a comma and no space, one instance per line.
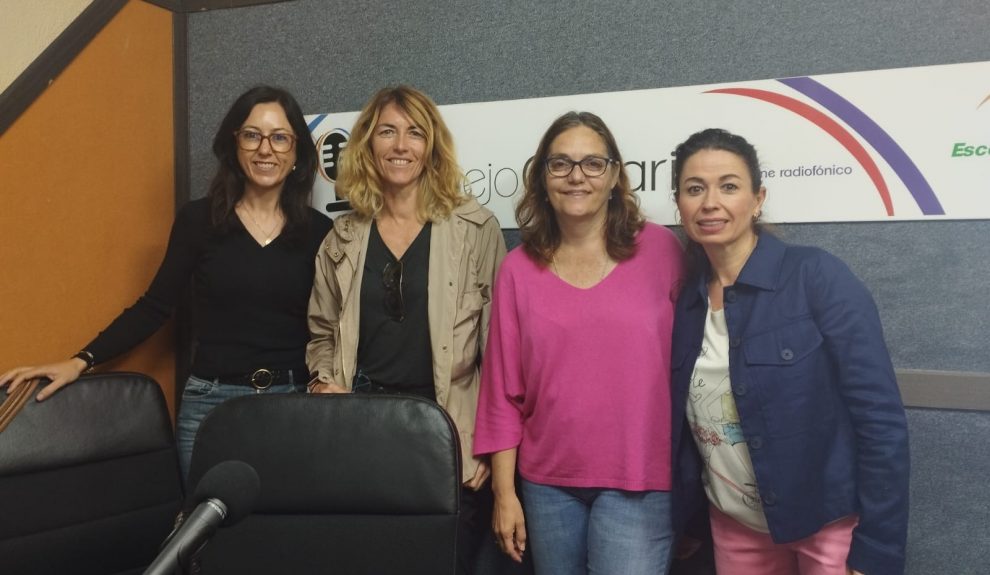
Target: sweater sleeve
152,310
851,326
499,422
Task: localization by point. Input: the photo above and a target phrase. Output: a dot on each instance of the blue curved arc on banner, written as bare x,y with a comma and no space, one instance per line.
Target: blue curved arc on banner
316,122
881,141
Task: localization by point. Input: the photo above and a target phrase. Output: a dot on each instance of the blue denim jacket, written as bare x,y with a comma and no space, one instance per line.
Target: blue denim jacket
817,399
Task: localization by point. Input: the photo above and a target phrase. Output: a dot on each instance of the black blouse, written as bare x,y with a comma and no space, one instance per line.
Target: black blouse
391,353
249,301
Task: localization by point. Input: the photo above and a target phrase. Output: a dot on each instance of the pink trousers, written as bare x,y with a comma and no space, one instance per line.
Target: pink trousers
740,550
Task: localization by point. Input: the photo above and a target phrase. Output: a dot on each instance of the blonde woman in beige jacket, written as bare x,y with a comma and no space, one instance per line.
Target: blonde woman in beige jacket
402,293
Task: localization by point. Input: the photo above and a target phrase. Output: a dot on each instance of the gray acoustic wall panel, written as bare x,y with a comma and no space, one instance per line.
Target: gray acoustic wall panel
950,512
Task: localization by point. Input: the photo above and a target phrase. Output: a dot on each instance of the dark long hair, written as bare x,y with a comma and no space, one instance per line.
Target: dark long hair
538,226
227,186
713,139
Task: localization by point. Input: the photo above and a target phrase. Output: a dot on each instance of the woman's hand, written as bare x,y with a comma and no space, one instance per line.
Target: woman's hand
508,521
61,373
480,475
509,526
325,387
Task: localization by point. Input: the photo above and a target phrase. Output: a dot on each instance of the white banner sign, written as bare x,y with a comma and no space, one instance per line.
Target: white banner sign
904,144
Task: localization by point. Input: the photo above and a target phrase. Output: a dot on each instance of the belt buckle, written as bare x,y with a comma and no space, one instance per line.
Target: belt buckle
262,379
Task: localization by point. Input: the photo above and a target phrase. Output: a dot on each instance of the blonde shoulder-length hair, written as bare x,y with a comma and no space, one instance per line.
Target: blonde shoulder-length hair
441,185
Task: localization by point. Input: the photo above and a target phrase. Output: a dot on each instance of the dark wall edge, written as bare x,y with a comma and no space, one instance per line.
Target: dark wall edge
204,5
944,389
40,74
180,126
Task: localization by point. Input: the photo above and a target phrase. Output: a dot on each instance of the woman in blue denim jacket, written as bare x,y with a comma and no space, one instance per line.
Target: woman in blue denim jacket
787,416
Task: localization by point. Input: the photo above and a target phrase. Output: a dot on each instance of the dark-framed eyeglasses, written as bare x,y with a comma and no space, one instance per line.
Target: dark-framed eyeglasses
592,166
250,140
392,281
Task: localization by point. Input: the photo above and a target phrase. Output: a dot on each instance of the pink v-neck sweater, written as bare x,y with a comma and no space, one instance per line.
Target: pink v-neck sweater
579,379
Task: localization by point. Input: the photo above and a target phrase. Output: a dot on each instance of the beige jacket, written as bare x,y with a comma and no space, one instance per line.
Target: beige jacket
465,252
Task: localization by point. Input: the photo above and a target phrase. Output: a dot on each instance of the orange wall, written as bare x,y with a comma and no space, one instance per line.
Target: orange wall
87,186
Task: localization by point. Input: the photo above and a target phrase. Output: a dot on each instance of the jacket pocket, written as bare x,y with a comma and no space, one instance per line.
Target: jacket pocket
787,345
467,330
789,368
472,301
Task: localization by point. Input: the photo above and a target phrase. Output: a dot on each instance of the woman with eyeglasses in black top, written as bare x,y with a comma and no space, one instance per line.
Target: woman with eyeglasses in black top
402,293
248,250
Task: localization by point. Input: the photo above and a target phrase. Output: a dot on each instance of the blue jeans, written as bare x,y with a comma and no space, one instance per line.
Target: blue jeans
573,531
199,398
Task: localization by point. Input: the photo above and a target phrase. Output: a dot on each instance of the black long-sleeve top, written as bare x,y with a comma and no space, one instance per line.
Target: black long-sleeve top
250,301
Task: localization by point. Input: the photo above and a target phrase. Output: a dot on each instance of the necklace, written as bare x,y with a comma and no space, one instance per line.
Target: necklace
268,234
553,262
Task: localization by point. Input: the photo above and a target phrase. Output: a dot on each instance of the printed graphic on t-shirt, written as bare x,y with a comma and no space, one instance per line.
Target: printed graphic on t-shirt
711,411
720,438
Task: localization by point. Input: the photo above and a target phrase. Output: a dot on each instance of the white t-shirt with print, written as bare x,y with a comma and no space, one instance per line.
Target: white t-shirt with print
711,411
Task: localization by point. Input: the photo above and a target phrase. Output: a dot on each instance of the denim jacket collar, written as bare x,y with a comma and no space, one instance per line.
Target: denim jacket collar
761,270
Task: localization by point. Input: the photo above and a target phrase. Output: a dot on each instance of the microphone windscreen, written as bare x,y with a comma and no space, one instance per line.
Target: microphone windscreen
234,483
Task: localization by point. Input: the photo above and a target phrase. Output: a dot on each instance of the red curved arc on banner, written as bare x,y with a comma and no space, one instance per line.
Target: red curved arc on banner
829,125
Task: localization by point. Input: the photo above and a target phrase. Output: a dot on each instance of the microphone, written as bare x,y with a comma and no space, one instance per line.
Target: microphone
225,495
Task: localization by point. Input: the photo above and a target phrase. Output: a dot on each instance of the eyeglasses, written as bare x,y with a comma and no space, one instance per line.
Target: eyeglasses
392,280
591,165
250,140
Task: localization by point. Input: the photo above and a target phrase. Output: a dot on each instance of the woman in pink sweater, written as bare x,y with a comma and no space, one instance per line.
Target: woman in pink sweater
576,375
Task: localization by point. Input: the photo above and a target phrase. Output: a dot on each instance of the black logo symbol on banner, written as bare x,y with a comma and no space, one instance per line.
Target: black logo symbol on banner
330,145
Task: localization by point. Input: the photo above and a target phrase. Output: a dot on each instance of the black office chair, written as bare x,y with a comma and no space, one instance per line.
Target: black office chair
89,479
350,484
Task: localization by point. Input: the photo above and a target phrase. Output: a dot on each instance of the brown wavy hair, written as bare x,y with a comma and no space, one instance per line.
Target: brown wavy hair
441,185
537,221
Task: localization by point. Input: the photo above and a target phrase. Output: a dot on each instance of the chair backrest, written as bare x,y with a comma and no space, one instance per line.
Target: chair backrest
350,484
89,479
